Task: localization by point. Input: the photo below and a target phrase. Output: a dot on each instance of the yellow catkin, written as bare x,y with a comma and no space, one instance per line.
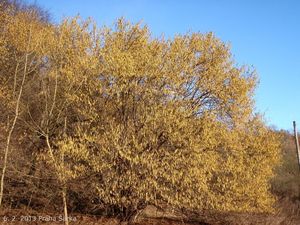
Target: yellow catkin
160,121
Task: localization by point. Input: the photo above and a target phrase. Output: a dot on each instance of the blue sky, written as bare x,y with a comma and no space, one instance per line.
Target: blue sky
264,34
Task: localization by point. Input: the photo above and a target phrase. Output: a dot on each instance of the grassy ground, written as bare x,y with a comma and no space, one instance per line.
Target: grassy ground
288,213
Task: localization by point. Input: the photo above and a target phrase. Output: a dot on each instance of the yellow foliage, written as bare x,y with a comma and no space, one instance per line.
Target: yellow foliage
159,121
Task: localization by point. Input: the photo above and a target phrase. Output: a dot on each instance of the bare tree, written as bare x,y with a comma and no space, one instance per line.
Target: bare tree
16,116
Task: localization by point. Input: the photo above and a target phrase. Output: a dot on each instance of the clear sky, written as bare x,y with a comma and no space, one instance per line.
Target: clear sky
262,33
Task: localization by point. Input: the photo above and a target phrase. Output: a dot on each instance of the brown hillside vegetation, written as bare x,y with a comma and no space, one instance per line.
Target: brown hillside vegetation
112,125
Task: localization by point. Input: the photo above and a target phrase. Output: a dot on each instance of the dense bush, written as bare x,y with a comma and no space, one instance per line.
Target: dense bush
286,183
131,119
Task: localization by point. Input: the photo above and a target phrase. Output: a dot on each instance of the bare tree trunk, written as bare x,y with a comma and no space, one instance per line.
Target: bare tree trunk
64,191
64,197
62,180
6,150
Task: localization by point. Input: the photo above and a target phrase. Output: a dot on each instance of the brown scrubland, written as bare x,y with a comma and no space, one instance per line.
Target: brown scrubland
108,125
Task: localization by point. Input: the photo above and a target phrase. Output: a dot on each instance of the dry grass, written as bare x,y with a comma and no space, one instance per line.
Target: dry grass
288,213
